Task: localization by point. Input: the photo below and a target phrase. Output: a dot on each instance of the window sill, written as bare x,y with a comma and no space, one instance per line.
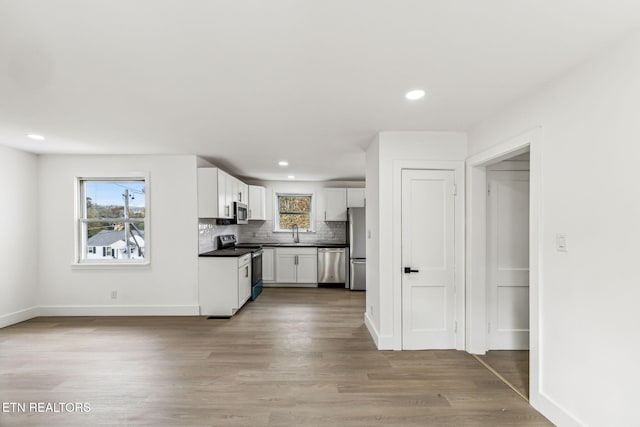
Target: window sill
109,266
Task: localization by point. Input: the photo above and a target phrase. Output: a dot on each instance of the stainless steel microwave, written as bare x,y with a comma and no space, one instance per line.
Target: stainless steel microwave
240,213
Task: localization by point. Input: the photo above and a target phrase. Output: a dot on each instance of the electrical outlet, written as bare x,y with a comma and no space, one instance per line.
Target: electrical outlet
114,294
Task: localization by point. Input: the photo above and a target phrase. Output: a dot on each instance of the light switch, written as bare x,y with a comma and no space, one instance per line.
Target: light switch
561,242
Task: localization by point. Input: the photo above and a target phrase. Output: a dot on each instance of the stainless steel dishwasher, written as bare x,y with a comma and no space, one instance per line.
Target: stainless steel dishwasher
332,265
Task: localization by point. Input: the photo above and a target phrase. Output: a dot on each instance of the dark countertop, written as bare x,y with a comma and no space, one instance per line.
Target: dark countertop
295,245
226,253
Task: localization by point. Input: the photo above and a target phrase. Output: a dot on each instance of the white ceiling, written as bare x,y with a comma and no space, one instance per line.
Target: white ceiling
248,83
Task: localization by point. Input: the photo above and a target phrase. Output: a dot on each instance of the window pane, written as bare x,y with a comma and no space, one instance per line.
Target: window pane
294,204
110,243
288,220
105,199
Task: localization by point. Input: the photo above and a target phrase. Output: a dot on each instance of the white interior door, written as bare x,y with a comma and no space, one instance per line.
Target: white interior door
508,260
428,292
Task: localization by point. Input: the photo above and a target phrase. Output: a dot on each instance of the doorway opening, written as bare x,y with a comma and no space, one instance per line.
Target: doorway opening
508,271
502,272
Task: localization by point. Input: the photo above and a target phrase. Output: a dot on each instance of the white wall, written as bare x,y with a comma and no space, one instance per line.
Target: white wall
588,181
394,148
372,171
167,286
19,225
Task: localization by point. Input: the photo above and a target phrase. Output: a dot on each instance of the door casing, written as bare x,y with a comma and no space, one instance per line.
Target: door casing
476,308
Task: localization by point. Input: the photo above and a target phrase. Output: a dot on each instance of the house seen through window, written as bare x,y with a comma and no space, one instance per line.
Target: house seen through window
294,209
112,220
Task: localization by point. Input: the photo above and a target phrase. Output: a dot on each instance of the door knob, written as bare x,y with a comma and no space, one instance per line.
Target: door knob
408,270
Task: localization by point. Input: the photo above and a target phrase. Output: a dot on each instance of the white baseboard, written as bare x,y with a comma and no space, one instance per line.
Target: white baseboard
120,310
289,285
553,411
383,342
19,316
372,329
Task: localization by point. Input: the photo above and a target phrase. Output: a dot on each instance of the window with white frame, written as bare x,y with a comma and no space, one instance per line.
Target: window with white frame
294,210
112,220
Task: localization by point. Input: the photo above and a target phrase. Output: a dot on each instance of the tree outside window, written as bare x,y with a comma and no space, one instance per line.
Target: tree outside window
294,209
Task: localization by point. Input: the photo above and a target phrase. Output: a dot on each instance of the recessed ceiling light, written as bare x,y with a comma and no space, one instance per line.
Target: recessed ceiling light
291,177
35,136
412,95
283,163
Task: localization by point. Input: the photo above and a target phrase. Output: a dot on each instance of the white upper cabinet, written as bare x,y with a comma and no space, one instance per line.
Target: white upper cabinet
355,198
217,190
212,193
243,192
335,204
224,208
234,189
257,203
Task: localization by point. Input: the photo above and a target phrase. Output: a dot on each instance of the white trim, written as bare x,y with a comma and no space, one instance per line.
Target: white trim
77,262
276,211
289,285
475,327
119,310
368,322
19,316
458,168
382,342
108,265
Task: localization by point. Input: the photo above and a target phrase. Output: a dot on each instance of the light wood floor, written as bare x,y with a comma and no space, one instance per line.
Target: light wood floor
512,365
293,357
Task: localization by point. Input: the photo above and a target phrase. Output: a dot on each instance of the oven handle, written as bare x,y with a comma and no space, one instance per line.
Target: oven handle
256,253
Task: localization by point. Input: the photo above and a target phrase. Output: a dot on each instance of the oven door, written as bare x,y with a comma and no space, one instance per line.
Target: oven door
256,268
256,274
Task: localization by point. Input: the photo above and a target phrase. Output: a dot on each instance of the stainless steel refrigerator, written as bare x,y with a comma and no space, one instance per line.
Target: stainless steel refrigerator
357,249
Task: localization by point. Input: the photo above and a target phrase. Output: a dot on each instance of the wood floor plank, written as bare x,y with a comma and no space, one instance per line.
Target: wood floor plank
513,365
293,357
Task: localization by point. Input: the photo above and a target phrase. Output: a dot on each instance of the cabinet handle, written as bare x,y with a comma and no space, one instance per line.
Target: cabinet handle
227,210
240,196
250,216
246,271
296,259
325,215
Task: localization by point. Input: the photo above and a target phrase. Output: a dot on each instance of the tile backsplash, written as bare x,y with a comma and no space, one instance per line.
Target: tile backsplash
262,231
208,231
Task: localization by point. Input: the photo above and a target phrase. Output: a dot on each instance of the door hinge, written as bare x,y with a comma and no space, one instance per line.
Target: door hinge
488,189
455,189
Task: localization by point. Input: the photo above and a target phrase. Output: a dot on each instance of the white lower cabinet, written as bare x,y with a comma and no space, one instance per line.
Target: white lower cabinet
244,282
268,265
307,271
296,265
224,284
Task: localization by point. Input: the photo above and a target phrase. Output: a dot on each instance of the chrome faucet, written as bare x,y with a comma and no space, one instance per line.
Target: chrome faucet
295,233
